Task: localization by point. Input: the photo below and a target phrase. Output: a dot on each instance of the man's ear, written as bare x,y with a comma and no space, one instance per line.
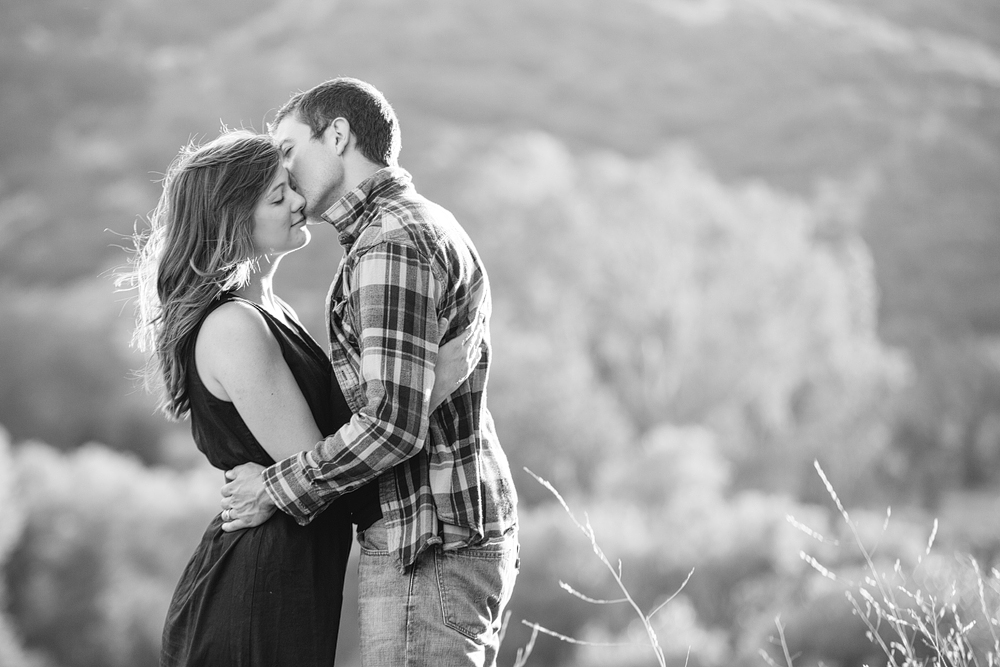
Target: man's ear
338,135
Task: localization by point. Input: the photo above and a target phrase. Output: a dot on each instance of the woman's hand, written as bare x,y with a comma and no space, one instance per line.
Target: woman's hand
455,362
245,503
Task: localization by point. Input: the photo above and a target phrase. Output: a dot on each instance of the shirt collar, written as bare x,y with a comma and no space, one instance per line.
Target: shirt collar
347,214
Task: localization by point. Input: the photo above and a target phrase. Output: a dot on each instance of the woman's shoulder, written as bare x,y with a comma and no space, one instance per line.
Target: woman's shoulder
236,328
234,314
232,338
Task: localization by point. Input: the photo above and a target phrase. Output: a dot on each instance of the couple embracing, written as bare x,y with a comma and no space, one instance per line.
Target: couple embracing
390,434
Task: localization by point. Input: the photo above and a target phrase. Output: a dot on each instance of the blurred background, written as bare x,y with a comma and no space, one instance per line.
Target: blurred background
727,238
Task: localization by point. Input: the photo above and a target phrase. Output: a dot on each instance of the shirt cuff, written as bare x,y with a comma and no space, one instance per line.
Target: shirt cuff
289,489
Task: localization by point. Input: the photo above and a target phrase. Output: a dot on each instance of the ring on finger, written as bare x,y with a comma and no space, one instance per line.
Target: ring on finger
227,515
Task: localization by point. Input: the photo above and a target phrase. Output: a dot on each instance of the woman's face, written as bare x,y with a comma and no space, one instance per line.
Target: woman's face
279,223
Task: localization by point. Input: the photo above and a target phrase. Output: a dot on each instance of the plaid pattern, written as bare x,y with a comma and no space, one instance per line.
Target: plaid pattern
407,265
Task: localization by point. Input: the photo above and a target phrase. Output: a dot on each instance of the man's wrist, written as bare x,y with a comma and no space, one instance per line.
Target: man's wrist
280,480
267,499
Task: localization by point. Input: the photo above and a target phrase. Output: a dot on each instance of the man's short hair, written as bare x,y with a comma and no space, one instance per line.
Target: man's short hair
373,121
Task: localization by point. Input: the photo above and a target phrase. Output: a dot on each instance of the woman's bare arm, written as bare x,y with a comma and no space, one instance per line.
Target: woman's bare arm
239,360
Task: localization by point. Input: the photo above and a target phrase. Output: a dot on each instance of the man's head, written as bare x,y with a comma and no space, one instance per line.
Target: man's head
372,120
332,135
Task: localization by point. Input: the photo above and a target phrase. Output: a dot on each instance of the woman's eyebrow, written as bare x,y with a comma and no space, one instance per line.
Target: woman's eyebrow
277,186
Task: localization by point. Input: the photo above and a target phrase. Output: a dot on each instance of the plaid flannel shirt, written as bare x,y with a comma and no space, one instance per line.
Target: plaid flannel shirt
407,265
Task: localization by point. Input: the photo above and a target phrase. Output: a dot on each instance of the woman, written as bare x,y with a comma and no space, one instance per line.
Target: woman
258,388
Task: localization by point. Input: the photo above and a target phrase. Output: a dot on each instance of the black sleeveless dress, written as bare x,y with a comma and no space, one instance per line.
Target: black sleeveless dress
270,595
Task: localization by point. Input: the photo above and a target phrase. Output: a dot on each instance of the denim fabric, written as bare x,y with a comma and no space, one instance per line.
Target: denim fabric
444,611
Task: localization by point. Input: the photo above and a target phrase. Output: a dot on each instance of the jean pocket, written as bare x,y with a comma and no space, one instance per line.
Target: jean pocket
374,540
475,586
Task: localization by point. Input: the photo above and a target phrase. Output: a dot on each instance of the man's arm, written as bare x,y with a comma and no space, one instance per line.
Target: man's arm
244,494
394,302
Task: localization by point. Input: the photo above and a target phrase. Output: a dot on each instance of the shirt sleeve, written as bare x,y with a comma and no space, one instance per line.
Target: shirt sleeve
394,300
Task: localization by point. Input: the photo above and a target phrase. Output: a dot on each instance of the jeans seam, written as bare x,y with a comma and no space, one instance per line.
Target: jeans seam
409,644
481,555
375,552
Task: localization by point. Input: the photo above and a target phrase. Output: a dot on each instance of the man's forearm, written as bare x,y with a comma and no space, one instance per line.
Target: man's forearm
304,484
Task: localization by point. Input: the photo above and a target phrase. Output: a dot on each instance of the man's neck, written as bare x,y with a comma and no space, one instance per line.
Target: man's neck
356,172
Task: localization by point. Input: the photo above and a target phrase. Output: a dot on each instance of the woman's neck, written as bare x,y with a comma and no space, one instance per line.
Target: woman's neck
259,286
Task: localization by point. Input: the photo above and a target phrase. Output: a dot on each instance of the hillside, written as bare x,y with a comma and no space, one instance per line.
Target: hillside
896,99
726,239
891,107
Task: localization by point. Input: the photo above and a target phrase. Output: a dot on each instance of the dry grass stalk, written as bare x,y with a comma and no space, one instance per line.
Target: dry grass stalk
922,632
616,573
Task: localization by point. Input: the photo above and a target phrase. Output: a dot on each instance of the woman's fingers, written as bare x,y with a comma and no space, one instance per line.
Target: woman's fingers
463,352
236,524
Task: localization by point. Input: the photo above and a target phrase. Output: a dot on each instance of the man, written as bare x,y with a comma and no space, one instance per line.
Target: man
439,557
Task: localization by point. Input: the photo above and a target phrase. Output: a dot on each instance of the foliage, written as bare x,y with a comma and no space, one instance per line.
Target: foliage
947,429
735,306
74,383
101,96
644,617
703,223
105,540
917,610
12,653
668,513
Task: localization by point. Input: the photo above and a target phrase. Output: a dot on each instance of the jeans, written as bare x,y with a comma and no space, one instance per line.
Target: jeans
444,611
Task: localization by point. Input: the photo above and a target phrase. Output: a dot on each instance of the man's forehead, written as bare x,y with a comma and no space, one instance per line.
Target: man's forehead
290,129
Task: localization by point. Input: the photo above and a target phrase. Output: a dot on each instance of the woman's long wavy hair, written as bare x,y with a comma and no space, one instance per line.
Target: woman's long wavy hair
199,245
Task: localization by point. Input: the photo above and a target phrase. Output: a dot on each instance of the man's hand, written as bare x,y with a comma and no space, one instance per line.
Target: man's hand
245,503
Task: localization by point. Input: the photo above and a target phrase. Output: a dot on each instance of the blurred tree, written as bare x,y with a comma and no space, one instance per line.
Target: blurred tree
74,383
738,307
12,653
728,331
946,436
101,95
104,543
655,319
664,509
